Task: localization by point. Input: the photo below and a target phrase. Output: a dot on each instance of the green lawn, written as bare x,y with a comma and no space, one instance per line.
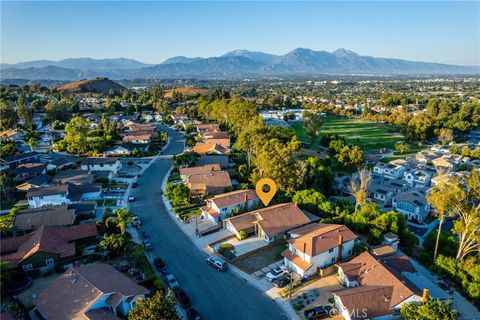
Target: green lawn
367,135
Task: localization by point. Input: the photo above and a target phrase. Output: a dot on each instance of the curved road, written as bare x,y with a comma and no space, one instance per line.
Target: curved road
215,295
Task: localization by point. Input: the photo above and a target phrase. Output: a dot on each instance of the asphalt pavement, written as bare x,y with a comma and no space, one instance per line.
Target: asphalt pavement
215,295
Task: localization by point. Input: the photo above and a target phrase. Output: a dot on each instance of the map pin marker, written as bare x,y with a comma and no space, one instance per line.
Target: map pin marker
266,197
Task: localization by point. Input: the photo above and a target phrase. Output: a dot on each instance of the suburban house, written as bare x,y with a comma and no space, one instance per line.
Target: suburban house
317,246
29,170
101,164
73,176
389,170
448,163
13,161
62,194
92,291
210,148
28,219
221,206
412,204
417,178
221,160
38,181
377,286
423,157
186,173
46,246
224,142
207,127
117,151
215,182
270,223
139,137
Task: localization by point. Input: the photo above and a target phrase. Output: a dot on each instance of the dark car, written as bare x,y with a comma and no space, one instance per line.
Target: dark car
135,184
148,245
282,281
192,314
182,298
160,264
320,312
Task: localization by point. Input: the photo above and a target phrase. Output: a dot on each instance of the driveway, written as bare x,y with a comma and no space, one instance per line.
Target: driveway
215,295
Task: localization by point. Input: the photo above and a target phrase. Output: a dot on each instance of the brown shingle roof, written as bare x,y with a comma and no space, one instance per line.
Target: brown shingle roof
50,215
80,287
317,238
375,300
47,191
73,176
234,197
49,239
207,182
280,218
199,170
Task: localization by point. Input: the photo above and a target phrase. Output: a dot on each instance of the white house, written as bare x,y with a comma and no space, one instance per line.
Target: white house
317,246
62,194
101,164
221,206
417,178
412,204
389,170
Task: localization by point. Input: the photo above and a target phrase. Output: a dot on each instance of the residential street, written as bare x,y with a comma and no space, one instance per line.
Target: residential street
214,295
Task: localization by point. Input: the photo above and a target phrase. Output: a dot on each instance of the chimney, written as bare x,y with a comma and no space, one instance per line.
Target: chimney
304,247
425,295
340,247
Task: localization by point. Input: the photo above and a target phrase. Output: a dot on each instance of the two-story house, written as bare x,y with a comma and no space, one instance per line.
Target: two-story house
62,194
91,291
101,164
316,246
223,205
389,170
417,178
412,204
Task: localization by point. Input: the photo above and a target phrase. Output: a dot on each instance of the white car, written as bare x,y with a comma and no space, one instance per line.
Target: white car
276,273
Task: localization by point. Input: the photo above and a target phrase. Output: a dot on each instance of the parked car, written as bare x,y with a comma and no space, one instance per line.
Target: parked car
171,281
135,184
276,273
144,235
160,264
217,263
192,314
136,221
320,312
282,281
148,245
131,198
182,298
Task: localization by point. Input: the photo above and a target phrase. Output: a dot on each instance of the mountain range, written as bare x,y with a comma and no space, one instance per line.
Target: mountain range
234,64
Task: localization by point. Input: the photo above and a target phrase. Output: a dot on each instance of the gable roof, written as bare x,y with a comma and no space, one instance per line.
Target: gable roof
47,190
95,161
80,287
72,176
51,215
216,179
51,239
222,160
235,197
199,170
317,238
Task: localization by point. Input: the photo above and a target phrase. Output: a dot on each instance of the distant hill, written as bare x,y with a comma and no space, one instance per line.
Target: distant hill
186,91
102,85
234,64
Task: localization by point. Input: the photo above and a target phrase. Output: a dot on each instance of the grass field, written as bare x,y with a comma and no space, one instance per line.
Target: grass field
367,135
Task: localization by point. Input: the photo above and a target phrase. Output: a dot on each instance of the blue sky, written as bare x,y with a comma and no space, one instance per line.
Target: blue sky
447,32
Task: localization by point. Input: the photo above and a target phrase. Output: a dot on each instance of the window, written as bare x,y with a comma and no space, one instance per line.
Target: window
330,251
350,252
49,262
27,267
333,259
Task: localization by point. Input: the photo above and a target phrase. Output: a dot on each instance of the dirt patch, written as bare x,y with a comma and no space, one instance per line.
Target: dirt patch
261,259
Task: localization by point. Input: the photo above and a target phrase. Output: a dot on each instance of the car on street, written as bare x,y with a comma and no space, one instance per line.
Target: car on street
148,245
182,298
192,314
171,281
217,263
282,281
135,184
276,273
320,312
131,198
136,221
160,264
144,235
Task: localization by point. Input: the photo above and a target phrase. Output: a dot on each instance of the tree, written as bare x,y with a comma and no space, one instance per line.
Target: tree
359,187
402,147
438,200
445,135
179,194
8,118
113,244
7,185
312,124
313,201
122,219
7,220
432,309
76,138
24,112
32,142
156,307
57,111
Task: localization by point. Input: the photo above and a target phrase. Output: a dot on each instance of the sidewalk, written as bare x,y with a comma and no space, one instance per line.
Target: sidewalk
202,243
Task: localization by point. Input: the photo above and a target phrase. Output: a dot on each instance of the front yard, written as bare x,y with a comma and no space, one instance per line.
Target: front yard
261,259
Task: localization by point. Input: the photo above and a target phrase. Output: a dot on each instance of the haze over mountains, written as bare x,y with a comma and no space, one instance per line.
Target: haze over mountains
234,64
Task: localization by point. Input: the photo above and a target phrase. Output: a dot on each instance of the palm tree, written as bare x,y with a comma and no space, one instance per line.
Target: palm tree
438,198
122,219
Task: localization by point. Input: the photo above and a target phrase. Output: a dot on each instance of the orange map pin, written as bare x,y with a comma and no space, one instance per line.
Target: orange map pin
266,197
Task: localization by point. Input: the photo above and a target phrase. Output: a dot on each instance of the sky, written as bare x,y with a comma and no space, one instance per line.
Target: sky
445,32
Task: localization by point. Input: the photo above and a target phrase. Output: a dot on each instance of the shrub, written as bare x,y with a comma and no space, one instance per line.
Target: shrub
225,247
243,235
